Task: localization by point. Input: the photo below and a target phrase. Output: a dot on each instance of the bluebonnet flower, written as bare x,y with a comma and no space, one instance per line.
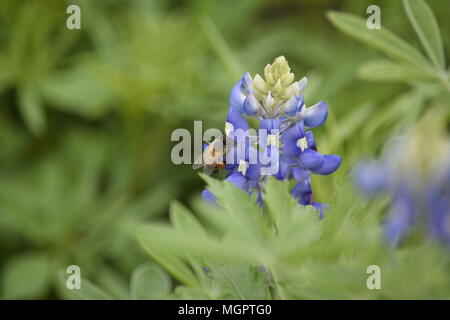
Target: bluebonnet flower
278,103
415,174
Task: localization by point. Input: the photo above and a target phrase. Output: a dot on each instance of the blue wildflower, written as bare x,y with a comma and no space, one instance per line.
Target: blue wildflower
278,103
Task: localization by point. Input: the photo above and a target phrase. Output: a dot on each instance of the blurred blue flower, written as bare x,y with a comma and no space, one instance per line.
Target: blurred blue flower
415,174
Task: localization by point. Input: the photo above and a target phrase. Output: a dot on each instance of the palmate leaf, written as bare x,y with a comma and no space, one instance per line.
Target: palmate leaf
166,238
382,39
222,280
279,203
250,239
297,225
183,219
244,214
172,263
424,23
239,281
187,241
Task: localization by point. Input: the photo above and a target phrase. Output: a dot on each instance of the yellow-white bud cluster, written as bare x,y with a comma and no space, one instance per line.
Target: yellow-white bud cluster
278,85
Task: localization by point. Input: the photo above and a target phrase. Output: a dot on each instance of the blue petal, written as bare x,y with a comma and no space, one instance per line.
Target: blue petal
251,105
242,150
401,218
253,172
270,124
293,105
320,207
284,165
246,84
371,178
269,159
238,180
237,98
330,164
259,200
237,120
309,136
316,115
302,84
300,174
439,206
238,152
311,159
301,102
230,166
207,196
289,140
252,185
302,192
252,156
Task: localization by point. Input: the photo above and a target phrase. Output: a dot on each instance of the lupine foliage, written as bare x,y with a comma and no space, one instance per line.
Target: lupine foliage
85,149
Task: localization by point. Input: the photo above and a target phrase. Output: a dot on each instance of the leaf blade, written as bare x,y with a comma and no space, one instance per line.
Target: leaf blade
425,25
385,70
382,39
31,109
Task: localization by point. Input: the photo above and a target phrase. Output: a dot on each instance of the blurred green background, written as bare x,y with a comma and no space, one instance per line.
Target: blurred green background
86,115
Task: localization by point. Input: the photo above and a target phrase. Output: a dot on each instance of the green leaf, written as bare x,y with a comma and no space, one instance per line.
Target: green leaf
424,23
279,202
303,228
245,216
168,259
31,109
188,293
114,283
297,225
78,91
153,202
173,264
149,282
25,277
168,239
184,220
239,281
385,70
88,290
381,39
